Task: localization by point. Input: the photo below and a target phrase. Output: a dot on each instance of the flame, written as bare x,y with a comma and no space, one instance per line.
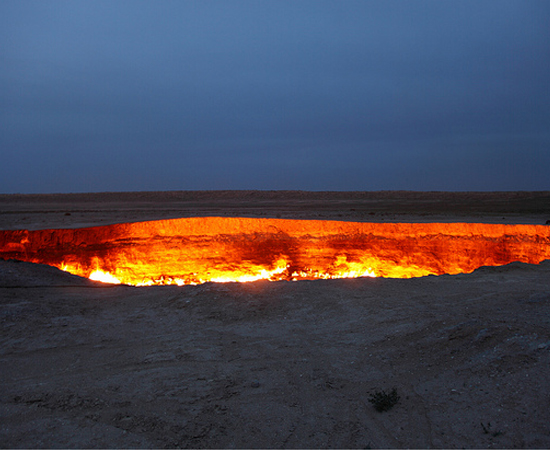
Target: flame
104,277
214,249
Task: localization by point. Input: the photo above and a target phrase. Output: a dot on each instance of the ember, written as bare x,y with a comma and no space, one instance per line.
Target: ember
199,250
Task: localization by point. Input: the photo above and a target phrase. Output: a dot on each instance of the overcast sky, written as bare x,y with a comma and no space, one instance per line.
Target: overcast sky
314,95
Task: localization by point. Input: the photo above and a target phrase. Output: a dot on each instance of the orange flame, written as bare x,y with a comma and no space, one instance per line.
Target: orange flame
214,249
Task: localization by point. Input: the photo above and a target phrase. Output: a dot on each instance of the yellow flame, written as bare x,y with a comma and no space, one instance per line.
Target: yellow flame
104,277
342,269
263,274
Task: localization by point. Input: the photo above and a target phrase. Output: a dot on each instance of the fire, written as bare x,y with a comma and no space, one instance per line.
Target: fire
214,249
105,277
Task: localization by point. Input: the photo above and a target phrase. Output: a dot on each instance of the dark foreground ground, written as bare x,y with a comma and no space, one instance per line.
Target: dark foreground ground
285,364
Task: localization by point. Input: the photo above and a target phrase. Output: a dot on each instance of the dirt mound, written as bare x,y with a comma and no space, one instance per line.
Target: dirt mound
19,274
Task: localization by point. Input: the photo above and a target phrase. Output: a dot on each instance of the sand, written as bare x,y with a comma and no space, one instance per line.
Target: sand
283,364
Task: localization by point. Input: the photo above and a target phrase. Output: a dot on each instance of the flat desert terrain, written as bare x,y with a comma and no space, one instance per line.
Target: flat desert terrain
275,364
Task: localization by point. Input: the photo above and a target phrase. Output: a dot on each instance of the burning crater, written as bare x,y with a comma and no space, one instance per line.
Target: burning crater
199,250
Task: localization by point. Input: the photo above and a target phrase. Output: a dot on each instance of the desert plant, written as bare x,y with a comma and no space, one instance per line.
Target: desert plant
384,401
487,430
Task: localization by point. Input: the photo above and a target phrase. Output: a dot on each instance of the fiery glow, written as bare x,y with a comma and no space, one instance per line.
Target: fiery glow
213,249
105,277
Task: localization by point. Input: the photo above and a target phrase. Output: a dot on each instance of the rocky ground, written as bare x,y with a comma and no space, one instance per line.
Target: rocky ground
284,364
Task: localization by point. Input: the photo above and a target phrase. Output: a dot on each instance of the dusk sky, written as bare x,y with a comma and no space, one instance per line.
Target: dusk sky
312,95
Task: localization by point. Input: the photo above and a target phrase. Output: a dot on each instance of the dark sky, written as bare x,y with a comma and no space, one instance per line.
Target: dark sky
314,95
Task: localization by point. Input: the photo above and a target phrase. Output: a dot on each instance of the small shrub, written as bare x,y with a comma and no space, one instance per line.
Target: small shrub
487,430
384,401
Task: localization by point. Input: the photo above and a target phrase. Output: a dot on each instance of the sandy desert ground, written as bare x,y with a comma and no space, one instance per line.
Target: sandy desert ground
275,364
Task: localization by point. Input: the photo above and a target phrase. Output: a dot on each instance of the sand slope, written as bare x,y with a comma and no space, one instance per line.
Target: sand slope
276,364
